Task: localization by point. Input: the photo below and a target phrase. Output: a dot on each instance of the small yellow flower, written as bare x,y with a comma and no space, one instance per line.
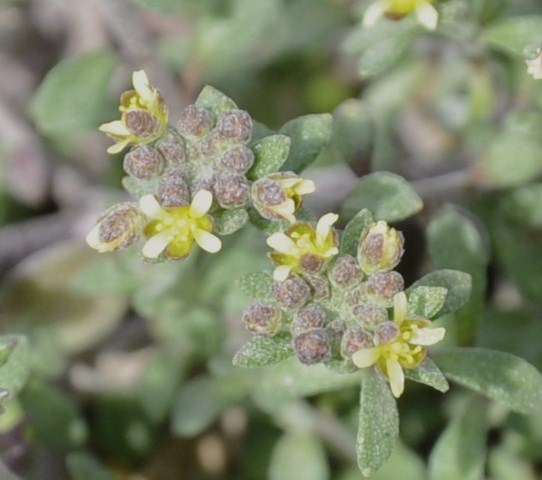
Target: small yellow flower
534,66
174,230
302,243
380,248
144,116
279,195
425,12
400,346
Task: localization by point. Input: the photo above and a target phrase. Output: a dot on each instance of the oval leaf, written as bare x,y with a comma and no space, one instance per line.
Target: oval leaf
256,284
428,374
269,155
352,232
261,351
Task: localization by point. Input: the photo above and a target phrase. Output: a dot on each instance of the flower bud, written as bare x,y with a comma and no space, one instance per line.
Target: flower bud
263,319
172,149
345,272
235,125
381,287
143,162
354,339
231,190
319,285
142,123
195,121
368,315
292,292
308,318
117,228
380,248
238,159
173,190
385,333
312,347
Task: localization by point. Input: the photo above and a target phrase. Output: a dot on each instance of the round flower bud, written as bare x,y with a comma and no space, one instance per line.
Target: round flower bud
308,318
231,190
380,248
172,149
195,121
312,347
368,315
117,228
311,263
143,162
319,285
263,319
235,125
385,333
173,189
238,159
292,292
382,287
354,339
211,146
345,272
142,124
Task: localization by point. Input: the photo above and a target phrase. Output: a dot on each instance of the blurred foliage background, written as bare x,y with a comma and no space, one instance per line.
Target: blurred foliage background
125,368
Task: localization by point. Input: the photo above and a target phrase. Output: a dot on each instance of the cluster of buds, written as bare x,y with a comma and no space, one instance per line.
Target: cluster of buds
343,308
187,176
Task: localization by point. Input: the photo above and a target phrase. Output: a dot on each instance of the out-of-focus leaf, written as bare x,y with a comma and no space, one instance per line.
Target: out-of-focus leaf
261,351
72,95
256,284
460,451
378,427
298,456
309,136
429,374
513,34
457,284
352,232
498,375
388,196
426,302
505,463
6,474
16,367
83,466
215,100
53,416
269,155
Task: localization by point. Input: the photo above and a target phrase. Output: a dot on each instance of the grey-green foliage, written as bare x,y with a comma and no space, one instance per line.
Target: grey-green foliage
83,466
15,368
261,351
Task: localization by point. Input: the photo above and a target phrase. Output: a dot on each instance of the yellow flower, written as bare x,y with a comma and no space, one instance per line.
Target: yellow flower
174,230
400,344
425,12
534,66
144,116
303,247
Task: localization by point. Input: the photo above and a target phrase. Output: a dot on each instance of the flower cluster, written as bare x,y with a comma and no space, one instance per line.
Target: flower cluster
191,177
343,310
425,12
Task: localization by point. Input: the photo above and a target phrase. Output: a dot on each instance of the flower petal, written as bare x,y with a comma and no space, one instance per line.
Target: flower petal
150,207
142,86
366,357
201,203
304,187
323,227
282,243
281,273
116,128
93,239
396,376
374,13
285,209
207,241
427,336
400,306
427,15
156,244
118,147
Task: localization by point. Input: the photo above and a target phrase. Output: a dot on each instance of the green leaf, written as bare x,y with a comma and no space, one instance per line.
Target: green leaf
215,100
461,449
229,221
138,187
83,466
7,344
291,379
514,34
54,417
71,98
298,456
198,405
388,196
426,302
352,232
269,155
498,375
457,284
256,284
16,368
378,427
403,464
309,136
428,374
261,351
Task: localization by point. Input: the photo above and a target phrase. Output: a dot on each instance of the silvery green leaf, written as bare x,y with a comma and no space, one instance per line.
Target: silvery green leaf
261,351
269,155
426,302
256,284
352,232
429,374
